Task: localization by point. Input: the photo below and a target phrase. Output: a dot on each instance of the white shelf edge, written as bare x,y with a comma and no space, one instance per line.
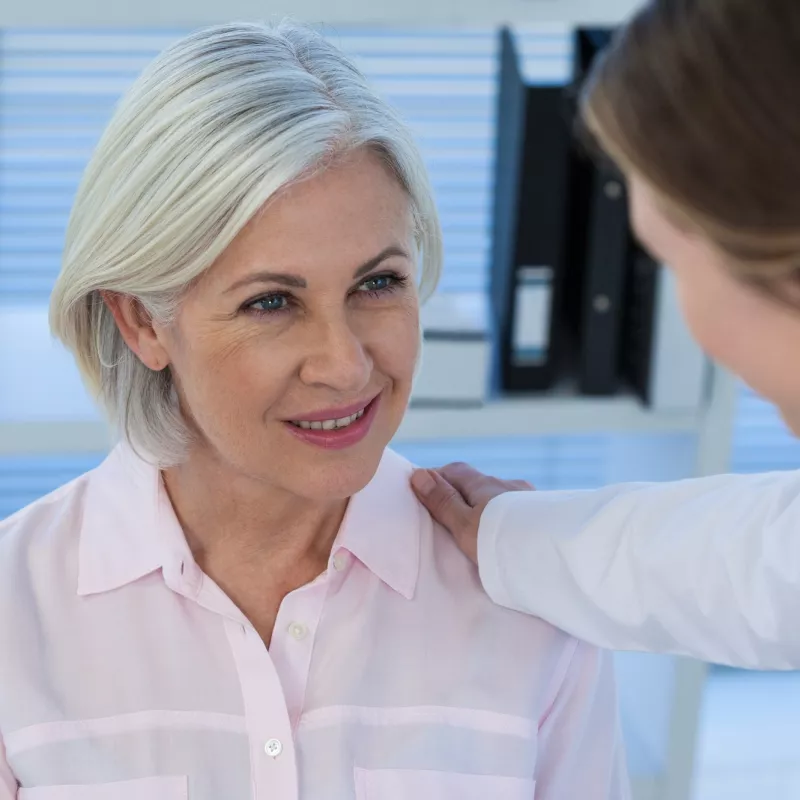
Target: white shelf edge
524,417
54,437
546,416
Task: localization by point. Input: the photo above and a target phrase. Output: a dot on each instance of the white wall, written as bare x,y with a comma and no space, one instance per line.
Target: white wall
399,12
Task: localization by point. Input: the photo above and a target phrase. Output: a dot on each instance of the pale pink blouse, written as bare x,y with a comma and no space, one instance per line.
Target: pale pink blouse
126,673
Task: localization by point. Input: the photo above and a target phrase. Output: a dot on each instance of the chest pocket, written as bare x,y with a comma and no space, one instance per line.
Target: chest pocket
162,788
409,784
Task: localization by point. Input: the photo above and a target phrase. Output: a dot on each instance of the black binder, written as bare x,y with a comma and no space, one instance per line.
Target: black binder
639,324
607,255
529,234
598,251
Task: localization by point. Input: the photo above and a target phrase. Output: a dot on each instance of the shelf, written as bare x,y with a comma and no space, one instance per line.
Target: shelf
54,437
544,416
47,410
525,417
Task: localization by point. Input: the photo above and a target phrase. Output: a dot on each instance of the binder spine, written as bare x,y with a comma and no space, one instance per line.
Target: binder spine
604,294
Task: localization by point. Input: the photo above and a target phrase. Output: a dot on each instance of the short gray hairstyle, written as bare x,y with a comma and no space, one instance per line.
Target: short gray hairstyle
212,129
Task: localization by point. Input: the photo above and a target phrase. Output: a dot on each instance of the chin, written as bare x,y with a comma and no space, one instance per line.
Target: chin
338,478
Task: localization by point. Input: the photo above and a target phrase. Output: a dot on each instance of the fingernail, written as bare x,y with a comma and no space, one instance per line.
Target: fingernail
422,481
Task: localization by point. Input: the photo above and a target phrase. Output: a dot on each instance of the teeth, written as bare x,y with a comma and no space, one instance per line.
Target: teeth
330,424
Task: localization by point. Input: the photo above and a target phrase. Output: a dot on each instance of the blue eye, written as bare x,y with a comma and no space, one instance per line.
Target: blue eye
270,304
378,283
382,284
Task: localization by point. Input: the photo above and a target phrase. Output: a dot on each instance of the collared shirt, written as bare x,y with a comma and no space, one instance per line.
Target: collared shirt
125,672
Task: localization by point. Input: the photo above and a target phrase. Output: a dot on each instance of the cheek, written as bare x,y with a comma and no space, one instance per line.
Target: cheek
736,327
394,341
221,376
700,315
710,299
714,309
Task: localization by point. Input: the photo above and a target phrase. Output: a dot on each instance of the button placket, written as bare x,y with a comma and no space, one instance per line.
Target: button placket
293,641
269,727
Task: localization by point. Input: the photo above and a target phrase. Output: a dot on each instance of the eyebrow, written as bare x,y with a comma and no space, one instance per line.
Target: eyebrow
297,282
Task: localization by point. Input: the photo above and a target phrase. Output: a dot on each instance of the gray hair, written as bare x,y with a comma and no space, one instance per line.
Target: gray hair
212,129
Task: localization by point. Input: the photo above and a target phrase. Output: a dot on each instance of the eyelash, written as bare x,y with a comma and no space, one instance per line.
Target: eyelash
395,283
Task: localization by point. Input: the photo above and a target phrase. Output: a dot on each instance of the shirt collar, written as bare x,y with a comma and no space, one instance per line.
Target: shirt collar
382,526
130,530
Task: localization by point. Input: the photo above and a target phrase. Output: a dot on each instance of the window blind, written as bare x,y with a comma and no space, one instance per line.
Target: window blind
58,90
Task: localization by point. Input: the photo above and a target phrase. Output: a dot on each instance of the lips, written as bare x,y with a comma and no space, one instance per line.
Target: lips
336,429
329,424
334,414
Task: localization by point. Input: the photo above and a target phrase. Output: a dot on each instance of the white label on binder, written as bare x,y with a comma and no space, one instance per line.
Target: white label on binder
532,309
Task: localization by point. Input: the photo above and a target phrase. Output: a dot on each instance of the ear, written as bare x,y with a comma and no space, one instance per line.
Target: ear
136,328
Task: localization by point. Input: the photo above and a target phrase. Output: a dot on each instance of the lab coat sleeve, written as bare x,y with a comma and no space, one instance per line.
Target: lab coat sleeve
708,568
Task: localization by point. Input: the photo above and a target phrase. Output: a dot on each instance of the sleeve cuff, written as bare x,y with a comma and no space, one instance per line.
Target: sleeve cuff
489,561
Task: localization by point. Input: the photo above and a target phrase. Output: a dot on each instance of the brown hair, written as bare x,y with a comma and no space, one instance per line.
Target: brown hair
702,99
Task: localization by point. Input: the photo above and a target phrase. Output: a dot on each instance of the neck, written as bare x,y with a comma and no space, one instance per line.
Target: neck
232,519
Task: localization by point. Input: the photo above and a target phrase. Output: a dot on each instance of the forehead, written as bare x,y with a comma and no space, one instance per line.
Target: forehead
339,217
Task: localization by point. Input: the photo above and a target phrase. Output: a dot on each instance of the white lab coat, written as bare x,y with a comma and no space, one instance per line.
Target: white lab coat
708,568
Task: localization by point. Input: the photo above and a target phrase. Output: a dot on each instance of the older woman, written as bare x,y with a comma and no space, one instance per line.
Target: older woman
246,600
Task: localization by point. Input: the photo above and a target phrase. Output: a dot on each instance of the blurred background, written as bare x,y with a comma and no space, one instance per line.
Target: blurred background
563,364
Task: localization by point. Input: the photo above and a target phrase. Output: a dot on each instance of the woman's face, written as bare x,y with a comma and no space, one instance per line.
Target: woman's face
294,355
750,333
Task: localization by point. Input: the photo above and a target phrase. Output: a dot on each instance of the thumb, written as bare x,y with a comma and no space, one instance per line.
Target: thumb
445,504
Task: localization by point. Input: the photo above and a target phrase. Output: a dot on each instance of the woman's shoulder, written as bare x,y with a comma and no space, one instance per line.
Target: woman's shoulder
44,531
449,597
448,573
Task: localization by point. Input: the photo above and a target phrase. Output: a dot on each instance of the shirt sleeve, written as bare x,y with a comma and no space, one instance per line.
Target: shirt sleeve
708,568
580,750
8,784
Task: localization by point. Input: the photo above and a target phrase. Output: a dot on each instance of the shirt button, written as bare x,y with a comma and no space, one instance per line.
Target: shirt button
340,561
298,631
273,748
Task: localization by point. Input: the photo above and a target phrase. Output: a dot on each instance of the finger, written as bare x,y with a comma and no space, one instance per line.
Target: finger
476,488
445,503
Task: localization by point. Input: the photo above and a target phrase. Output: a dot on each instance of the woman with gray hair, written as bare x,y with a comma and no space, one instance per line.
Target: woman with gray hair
246,600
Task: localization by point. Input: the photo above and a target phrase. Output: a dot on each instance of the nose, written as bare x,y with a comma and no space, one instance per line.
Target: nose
337,357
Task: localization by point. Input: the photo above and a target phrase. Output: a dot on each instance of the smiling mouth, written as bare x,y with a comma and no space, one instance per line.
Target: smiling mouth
330,424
